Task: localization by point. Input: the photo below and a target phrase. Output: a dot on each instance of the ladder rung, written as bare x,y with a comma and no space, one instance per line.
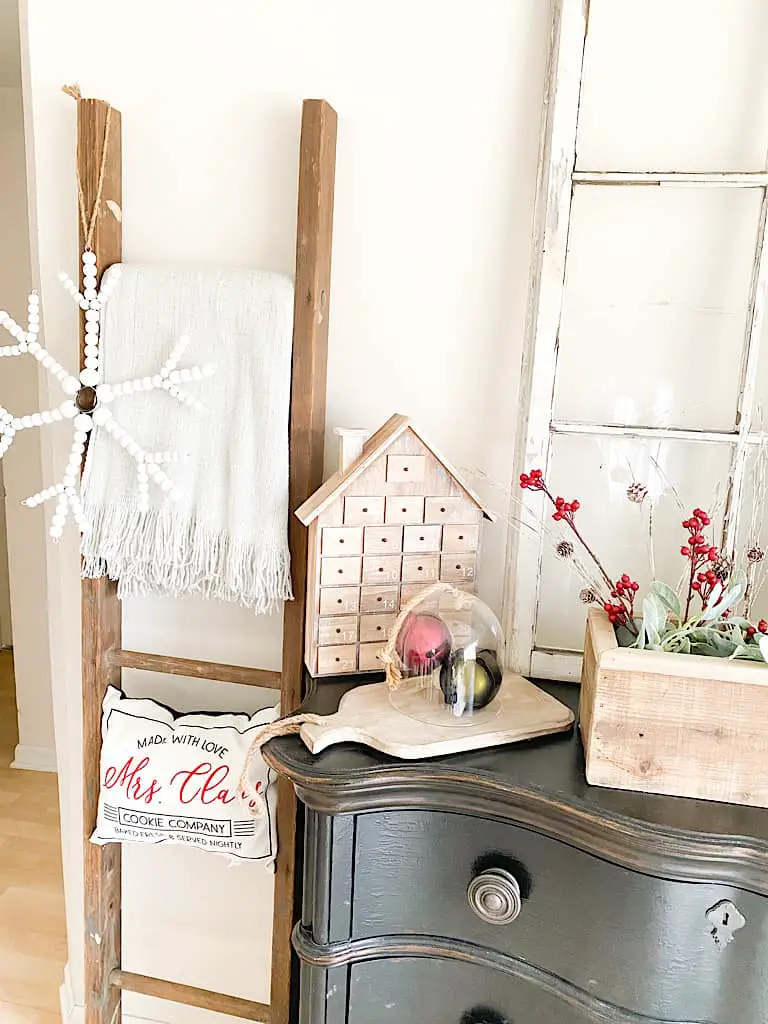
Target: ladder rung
189,996
196,669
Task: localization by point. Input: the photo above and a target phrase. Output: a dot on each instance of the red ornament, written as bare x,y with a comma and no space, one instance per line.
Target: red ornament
423,643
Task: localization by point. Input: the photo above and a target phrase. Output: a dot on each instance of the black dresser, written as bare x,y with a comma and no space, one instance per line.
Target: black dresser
497,886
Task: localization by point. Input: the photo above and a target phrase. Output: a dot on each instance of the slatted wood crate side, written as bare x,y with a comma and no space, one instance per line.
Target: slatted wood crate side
673,724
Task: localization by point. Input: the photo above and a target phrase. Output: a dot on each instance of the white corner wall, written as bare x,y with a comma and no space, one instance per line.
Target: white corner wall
439,108
22,471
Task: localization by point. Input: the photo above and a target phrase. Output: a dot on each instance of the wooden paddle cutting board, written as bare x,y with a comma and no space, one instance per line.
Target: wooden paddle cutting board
367,715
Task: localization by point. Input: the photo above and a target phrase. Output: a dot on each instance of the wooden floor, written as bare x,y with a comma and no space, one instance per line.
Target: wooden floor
32,930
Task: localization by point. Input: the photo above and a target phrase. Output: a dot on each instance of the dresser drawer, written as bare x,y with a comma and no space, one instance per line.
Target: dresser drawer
376,628
422,538
406,509
461,537
407,990
457,568
600,927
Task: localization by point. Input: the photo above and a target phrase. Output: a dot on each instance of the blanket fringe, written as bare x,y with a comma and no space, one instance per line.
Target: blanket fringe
154,552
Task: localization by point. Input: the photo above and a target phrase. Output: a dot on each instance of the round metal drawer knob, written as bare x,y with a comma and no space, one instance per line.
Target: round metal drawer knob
494,895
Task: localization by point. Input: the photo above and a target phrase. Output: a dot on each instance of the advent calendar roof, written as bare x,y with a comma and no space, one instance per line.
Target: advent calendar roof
376,446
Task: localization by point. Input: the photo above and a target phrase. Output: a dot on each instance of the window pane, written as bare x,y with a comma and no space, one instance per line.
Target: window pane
675,86
655,305
753,528
598,472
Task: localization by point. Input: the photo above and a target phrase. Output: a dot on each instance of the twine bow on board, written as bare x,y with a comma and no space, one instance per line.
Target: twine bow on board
253,795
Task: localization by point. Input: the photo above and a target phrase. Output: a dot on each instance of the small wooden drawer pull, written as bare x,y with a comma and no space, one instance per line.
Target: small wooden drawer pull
359,511
457,568
464,537
370,658
422,538
420,568
406,469
340,571
339,600
376,627
379,599
381,568
383,540
337,629
405,509
342,658
450,510
342,540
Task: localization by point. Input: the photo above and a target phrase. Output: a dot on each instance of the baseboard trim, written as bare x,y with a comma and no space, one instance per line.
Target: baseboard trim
34,759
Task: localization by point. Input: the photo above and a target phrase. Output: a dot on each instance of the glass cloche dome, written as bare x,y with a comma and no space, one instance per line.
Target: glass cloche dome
444,659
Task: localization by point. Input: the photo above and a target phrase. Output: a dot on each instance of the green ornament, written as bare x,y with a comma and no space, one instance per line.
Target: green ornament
469,684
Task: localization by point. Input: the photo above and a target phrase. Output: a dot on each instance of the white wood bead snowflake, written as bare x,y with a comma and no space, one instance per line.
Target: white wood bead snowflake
89,397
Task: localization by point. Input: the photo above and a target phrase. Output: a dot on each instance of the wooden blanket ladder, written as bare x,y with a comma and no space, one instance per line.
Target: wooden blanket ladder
103,655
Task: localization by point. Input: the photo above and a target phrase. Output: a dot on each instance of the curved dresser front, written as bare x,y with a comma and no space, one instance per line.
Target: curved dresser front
497,886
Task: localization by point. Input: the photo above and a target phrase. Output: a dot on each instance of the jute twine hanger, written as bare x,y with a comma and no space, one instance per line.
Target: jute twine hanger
89,226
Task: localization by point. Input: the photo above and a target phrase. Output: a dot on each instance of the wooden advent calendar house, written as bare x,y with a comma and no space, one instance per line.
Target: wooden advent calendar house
393,520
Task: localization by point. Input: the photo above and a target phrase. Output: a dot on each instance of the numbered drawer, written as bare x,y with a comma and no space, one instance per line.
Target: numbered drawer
450,510
422,538
381,540
381,568
370,658
405,469
359,511
337,659
376,628
404,510
339,600
458,568
340,571
336,630
462,537
379,599
410,590
342,540
420,568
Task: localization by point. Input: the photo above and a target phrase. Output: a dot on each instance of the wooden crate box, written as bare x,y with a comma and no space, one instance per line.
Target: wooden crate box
683,725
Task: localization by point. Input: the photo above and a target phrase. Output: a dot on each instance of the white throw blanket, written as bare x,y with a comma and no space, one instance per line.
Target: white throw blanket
226,537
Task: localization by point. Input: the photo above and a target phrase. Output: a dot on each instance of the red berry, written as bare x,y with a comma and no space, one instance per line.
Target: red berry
685,551
763,626
557,516
575,505
712,555
559,501
751,631
635,587
607,607
695,586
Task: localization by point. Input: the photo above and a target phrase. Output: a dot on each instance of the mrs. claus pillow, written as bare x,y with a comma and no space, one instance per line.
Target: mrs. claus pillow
168,778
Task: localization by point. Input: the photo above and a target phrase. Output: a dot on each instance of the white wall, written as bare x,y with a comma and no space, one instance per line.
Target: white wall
22,463
439,107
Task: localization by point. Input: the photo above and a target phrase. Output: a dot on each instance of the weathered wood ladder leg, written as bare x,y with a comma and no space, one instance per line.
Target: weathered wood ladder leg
103,656
101,610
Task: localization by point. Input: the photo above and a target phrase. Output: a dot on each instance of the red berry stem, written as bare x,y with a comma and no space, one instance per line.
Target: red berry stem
621,613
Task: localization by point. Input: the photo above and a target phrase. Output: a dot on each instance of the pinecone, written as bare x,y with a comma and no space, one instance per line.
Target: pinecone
637,492
755,554
564,548
723,568
587,596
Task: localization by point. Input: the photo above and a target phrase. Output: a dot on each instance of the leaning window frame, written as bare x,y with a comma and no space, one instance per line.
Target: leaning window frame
557,178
